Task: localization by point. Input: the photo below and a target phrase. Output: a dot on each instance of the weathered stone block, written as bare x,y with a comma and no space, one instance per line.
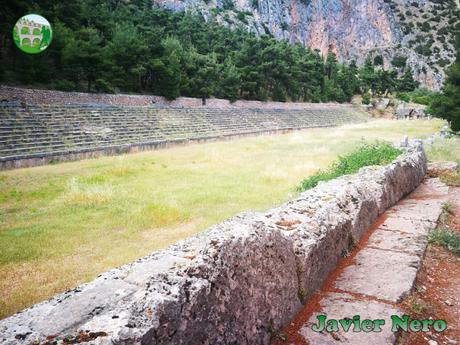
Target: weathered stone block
342,305
373,270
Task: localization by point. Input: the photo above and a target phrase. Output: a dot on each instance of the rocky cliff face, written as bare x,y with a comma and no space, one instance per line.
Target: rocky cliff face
421,30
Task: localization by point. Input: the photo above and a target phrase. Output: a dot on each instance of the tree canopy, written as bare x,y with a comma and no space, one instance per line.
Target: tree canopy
447,104
119,46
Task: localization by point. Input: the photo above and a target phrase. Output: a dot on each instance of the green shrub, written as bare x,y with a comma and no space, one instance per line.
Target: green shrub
399,61
446,238
228,5
419,96
443,62
403,96
367,154
366,98
102,85
65,85
425,100
378,60
241,16
423,49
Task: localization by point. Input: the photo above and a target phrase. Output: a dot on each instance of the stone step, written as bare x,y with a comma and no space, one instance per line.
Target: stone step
43,128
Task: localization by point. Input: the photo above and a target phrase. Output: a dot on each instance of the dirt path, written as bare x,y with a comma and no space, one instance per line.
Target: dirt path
376,278
437,293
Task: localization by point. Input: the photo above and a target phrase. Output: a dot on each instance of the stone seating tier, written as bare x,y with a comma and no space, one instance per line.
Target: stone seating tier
43,130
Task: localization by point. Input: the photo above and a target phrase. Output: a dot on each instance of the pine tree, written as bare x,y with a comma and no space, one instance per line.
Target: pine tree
368,76
447,105
229,84
84,55
407,83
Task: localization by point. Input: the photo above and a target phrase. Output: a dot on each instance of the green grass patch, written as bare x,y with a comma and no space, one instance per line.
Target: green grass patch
447,149
367,154
419,96
445,238
451,179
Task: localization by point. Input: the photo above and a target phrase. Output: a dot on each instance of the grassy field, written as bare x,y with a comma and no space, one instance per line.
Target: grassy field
445,150
61,225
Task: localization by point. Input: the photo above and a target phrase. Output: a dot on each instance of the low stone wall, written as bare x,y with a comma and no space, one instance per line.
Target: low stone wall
38,96
232,284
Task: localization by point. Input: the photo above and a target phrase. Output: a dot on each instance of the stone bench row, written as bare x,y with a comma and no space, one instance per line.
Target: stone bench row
13,147
133,119
41,130
122,132
18,142
170,113
136,124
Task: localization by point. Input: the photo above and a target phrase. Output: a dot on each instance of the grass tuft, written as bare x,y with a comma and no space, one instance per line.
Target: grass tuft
87,192
417,307
448,208
158,216
378,153
445,238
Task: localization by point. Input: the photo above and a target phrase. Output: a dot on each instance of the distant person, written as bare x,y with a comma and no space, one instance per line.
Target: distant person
46,35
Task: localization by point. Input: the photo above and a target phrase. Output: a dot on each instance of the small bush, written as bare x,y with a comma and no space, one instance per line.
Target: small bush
65,85
448,208
425,100
366,98
241,16
445,238
423,49
367,154
403,96
419,96
451,179
399,61
102,85
378,60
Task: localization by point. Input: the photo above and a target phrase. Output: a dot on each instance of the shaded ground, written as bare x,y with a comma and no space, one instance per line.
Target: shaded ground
437,292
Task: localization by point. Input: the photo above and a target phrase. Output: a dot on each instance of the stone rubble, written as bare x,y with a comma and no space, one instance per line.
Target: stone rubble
403,111
436,169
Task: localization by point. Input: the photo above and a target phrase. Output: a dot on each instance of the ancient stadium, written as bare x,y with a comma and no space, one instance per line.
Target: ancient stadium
221,172
199,208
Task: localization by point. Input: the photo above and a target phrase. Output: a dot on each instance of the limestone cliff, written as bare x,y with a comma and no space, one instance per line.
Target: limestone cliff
421,30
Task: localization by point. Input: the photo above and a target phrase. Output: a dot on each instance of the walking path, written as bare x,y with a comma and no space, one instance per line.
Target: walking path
378,274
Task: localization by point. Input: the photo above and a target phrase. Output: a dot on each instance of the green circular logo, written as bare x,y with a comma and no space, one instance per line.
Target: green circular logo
32,34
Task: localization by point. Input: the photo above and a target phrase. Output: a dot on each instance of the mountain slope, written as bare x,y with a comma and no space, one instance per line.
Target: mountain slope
420,30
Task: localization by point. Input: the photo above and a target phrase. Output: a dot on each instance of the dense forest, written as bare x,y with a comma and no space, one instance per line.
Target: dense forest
130,46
